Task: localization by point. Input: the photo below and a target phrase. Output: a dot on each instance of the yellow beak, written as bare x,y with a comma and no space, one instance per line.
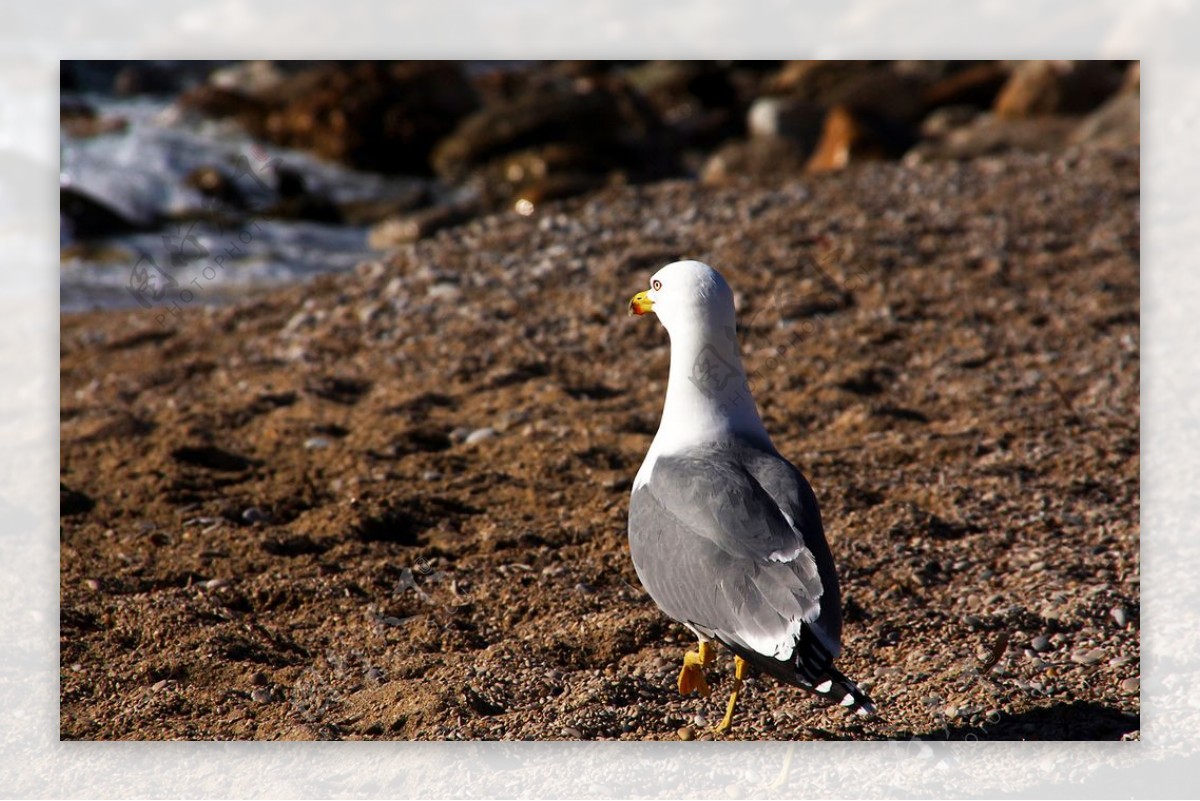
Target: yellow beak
640,303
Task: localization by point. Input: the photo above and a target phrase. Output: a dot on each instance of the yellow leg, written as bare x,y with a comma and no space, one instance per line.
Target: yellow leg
692,676
740,669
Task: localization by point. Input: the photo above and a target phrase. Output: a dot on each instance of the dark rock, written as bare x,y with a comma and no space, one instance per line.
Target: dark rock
1057,87
976,85
607,123
850,136
369,115
90,217
788,117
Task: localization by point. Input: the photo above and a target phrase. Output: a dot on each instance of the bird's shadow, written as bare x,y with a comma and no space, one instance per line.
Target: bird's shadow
1078,720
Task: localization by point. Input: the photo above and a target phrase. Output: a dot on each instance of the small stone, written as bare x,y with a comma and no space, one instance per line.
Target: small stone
255,515
260,695
158,685
1040,643
215,584
700,720
1089,657
973,622
479,435
1131,686
259,679
375,674
572,732
92,584
431,475
687,734
316,443
1120,615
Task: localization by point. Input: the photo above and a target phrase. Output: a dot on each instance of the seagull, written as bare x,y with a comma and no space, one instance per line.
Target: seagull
725,533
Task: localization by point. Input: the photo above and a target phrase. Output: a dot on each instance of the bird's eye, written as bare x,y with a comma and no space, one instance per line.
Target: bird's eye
656,284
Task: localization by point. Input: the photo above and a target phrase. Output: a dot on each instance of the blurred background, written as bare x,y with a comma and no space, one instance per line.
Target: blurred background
196,181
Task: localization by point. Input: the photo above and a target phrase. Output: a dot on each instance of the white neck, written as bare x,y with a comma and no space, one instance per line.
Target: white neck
708,396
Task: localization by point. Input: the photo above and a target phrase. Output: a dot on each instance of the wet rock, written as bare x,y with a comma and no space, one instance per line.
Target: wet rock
87,216
77,118
1056,87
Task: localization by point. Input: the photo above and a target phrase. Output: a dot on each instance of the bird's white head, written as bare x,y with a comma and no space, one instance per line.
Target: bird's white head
688,297
708,396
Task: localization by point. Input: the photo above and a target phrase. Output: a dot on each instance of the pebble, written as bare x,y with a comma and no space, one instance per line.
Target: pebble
260,695
479,435
1131,686
431,475
687,734
1089,657
572,732
92,584
215,584
158,685
700,720
1040,643
973,622
255,515
1120,615
259,679
316,443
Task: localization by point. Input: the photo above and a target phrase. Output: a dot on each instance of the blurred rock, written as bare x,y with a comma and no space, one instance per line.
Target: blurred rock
79,119
89,217
370,115
788,117
254,78
850,135
403,229
1115,124
698,100
988,134
609,124
760,159
214,183
976,85
1056,87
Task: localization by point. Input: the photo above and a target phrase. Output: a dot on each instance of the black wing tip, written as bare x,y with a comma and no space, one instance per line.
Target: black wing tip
835,687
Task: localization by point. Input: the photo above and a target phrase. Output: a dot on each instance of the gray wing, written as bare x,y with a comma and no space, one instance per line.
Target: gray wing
728,540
